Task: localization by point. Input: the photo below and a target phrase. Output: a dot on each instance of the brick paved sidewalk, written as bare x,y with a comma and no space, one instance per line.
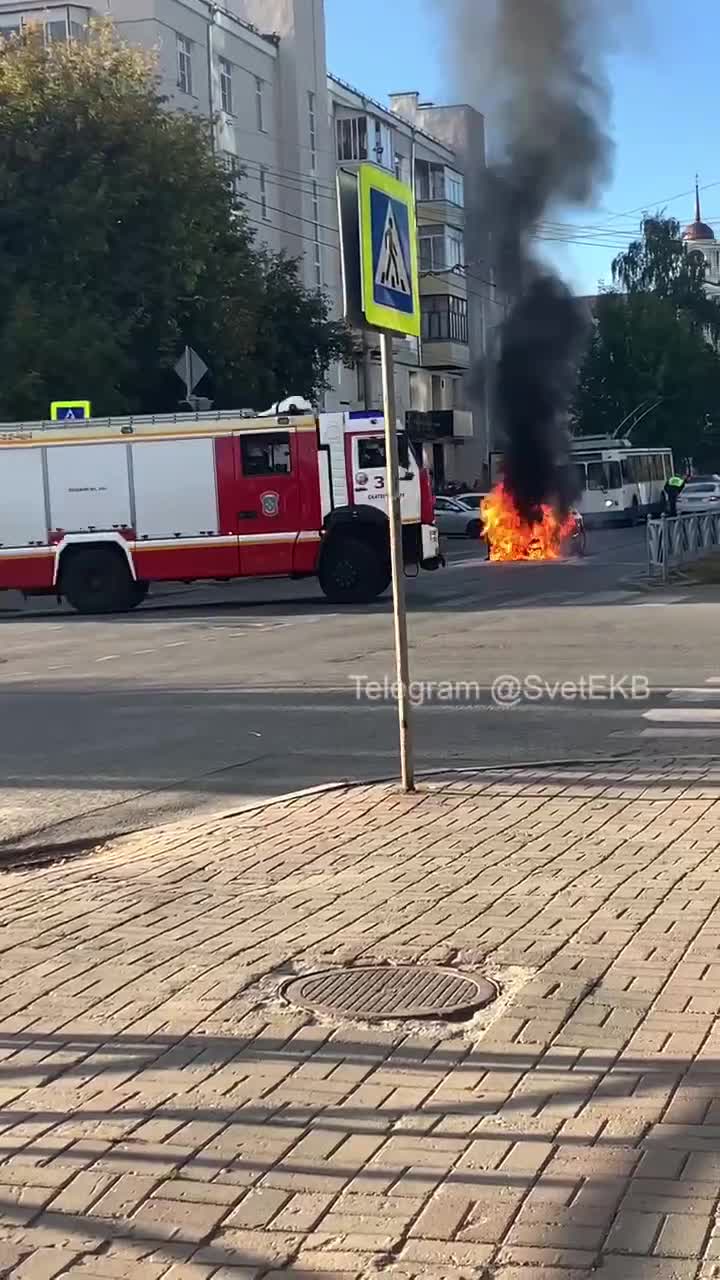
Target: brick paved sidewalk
165,1114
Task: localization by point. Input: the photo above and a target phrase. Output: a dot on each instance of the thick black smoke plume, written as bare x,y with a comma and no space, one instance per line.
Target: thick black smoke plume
539,64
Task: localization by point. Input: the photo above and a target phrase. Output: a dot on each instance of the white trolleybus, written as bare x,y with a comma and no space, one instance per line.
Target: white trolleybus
616,483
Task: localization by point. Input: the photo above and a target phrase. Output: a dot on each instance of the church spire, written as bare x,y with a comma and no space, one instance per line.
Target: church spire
698,230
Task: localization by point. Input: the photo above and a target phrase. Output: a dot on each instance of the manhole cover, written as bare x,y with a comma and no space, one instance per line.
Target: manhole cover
405,991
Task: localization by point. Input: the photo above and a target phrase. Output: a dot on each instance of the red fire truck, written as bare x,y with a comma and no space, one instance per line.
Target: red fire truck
95,511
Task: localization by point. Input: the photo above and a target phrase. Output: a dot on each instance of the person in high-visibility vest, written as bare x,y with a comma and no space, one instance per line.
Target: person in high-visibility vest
674,486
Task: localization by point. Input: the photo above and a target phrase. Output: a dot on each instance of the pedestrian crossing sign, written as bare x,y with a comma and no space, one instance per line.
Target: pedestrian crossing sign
69,410
388,252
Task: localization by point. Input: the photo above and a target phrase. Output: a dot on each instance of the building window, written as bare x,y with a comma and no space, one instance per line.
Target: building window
382,146
401,168
441,248
312,131
444,318
232,164
436,182
454,188
352,138
263,193
316,234
259,111
226,86
56,30
184,64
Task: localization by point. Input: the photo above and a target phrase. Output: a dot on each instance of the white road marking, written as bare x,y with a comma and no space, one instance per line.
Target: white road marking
109,657
174,644
708,714
685,732
693,695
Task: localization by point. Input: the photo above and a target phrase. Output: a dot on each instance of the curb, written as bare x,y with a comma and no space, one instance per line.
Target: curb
639,584
347,784
15,859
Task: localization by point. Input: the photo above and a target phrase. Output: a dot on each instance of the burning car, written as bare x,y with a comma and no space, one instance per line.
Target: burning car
510,537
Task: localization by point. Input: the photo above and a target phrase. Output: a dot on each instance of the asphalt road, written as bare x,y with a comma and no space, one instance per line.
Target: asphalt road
209,698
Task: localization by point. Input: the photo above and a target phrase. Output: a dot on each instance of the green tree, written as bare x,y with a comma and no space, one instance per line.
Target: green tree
647,353
660,263
122,238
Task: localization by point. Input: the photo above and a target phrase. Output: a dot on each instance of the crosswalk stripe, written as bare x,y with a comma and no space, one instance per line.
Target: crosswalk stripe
708,714
693,695
685,731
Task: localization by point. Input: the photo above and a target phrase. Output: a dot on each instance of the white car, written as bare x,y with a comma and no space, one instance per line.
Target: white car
697,499
456,520
472,500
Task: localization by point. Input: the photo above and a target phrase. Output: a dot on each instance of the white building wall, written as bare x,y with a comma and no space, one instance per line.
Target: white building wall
303,181
253,61
281,132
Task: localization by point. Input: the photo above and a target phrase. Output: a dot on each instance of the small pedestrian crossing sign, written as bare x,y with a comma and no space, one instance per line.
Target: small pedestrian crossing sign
69,410
392,273
388,248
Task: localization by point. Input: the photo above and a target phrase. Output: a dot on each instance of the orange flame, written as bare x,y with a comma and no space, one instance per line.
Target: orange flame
512,538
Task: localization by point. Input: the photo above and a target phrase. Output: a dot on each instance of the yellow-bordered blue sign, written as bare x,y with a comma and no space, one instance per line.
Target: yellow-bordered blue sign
69,410
388,252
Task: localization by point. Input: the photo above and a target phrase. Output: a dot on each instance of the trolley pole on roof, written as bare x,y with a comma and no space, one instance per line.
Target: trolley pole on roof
381,290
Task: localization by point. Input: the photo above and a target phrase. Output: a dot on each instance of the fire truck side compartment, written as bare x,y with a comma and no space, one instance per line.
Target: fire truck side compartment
22,504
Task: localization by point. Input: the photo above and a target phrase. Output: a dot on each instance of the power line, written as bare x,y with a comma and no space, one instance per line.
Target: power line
298,235
301,182
324,226
287,186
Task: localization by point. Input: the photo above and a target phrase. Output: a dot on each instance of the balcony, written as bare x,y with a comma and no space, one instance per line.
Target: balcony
359,138
57,22
438,424
445,332
441,251
440,194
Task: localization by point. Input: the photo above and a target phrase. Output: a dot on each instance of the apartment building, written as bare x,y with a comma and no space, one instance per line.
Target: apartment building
428,147
258,69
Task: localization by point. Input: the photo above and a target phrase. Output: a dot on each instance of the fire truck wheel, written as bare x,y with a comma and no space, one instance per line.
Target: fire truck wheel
353,572
97,580
139,592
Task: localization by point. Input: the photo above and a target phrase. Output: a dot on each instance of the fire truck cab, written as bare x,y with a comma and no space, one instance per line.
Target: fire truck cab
96,511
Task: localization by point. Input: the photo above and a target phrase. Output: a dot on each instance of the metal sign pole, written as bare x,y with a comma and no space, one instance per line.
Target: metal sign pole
396,559
188,373
381,291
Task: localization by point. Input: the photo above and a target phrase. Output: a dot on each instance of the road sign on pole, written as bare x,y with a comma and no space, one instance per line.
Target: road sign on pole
190,369
378,239
69,410
388,252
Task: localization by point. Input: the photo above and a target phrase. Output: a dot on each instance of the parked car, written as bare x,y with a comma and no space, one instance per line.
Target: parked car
697,498
456,520
472,501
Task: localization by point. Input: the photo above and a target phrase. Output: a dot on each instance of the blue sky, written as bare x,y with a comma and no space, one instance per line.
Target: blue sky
665,87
